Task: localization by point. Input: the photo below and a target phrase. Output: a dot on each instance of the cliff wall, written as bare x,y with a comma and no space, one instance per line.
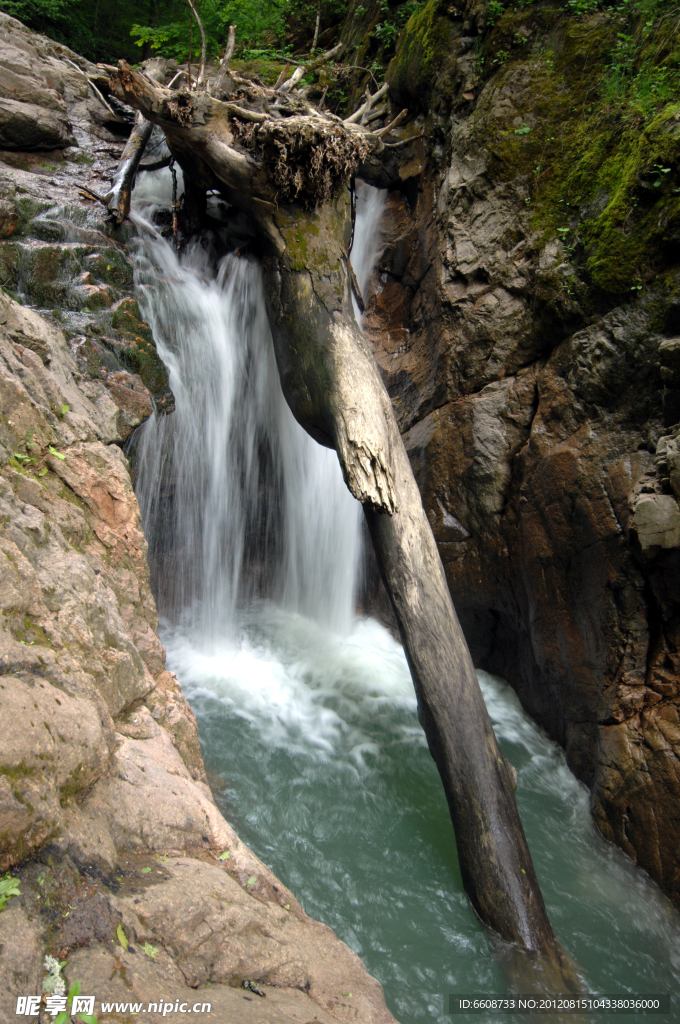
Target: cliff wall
525,318
126,869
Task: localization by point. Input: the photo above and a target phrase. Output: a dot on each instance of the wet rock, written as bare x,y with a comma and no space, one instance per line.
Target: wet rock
28,126
8,219
20,958
214,927
58,747
656,522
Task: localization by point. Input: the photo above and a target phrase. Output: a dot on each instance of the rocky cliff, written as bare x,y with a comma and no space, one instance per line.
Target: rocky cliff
127,871
526,318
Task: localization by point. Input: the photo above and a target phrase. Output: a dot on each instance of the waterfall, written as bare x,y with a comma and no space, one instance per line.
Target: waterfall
239,504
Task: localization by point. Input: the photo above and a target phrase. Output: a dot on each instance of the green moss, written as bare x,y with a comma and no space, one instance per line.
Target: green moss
587,157
266,69
424,53
20,771
139,354
27,631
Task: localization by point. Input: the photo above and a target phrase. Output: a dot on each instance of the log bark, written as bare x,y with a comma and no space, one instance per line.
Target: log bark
333,386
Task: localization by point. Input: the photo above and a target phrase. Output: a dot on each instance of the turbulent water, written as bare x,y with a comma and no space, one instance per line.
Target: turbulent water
308,714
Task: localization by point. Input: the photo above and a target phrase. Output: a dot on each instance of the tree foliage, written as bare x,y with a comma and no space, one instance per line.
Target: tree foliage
106,30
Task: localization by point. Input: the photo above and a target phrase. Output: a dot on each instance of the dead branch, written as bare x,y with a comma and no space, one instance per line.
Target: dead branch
157,165
393,124
357,115
95,90
319,22
244,114
179,74
402,142
224,66
355,287
379,112
303,69
282,77
201,69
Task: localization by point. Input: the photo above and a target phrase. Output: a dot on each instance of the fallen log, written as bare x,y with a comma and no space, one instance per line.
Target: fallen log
288,173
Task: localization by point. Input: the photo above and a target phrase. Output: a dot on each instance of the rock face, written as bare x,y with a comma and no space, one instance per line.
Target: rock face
106,817
534,377
101,775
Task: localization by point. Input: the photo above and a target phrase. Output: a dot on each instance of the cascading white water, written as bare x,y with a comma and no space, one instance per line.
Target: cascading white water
238,501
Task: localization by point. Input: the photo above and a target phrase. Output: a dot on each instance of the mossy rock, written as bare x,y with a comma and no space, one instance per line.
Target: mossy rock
598,168
10,255
139,354
425,56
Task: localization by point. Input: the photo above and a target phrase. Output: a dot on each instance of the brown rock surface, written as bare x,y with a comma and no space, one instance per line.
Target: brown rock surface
101,774
536,416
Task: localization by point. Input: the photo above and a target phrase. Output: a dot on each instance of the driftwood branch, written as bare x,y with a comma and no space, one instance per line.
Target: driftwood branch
224,66
304,69
201,69
399,119
95,90
358,114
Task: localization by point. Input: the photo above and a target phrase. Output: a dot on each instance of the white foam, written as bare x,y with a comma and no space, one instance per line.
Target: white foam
304,688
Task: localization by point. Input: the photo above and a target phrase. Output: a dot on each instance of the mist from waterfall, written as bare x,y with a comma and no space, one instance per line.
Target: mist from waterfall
238,502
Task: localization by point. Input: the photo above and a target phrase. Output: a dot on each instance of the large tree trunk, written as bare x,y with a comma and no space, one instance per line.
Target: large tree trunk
334,388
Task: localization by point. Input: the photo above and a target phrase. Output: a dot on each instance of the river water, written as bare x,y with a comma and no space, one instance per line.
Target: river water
307,713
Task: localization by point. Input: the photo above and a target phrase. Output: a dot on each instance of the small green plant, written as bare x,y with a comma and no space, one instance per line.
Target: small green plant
149,950
146,871
501,57
53,451
251,881
386,32
224,856
660,171
66,1015
8,887
524,130
360,11
494,12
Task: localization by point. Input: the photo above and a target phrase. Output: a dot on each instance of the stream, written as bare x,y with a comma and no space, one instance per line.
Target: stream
307,713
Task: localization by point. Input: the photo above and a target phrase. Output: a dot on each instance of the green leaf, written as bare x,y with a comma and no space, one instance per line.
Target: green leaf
55,452
150,950
251,880
145,871
524,130
62,1018
87,1018
74,990
224,856
122,937
42,472
64,410
8,887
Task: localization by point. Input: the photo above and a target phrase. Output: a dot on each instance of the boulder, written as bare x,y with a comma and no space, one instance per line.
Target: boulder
656,522
28,126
